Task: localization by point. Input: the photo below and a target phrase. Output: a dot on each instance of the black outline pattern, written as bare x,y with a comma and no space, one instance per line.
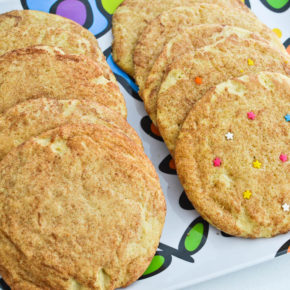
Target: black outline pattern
280,10
226,235
3,285
24,4
164,166
167,261
182,253
184,202
247,2
283,250
146,124
181,246
286,43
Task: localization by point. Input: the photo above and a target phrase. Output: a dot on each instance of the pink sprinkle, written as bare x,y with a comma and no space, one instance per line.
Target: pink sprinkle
251,115
217,162
283,157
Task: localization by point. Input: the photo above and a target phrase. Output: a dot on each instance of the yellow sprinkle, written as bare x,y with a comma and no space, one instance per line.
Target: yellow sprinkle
257,164
247,194
278,32
241,70
250,61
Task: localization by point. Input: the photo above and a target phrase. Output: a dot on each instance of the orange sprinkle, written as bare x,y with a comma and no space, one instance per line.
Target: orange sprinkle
154,130
289,250
198,80
288,49
172,164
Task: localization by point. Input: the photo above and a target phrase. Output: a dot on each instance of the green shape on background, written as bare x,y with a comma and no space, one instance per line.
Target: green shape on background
111,5
155,264
194,237
277,4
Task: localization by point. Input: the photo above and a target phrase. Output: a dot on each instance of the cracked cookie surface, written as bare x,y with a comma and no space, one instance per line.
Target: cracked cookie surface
80,206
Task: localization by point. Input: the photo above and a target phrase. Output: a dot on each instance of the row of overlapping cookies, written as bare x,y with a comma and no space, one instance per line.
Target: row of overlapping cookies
215,81
80,203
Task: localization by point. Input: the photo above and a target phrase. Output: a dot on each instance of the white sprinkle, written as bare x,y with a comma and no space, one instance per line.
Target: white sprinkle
229,136
286,207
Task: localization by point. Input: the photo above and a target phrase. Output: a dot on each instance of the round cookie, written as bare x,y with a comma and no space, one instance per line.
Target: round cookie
70,43
168,24
80,207
191,39
193,74
33,117
229,155
22,28
132,16
45,71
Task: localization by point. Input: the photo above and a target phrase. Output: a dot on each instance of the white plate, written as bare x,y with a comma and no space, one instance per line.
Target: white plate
212,254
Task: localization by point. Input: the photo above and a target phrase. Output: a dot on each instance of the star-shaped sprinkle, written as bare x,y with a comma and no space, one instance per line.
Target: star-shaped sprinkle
251,115
229,136
287,117
286,207
247,194
250,61
257,164
217,162
283,157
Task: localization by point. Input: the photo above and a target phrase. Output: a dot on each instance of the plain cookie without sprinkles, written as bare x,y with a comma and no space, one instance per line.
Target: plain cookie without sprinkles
33,117
132,16
45,71
78,197
22,28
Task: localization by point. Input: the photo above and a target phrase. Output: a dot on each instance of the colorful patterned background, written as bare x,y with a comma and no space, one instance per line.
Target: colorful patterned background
96,15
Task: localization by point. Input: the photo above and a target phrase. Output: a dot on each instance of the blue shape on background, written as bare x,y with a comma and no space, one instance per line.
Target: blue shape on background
126,81
116,70
39,5
100,23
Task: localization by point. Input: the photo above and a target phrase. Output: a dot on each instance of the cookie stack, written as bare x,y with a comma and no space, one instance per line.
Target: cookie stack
80,203
215,81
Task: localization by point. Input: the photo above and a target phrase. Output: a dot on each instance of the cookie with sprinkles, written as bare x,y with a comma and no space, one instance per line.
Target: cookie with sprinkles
248,194
170,23
214,63
189,40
